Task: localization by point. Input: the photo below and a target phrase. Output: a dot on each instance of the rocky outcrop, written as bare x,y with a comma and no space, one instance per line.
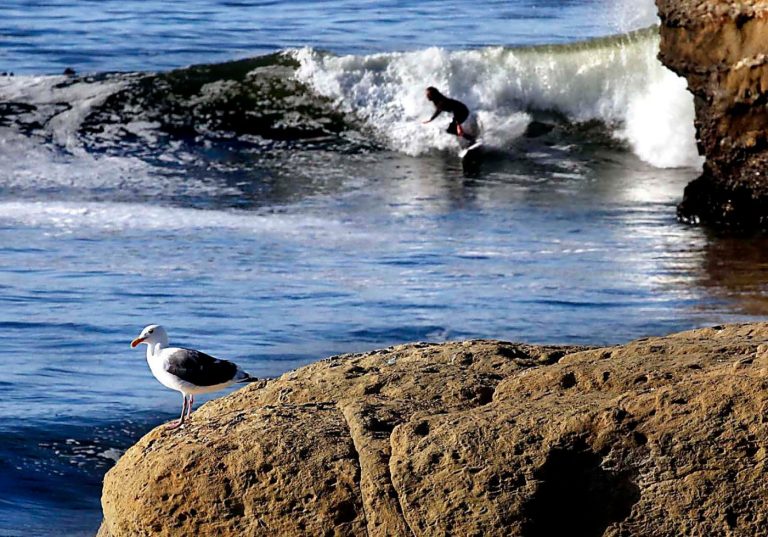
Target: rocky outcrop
721,48
662,436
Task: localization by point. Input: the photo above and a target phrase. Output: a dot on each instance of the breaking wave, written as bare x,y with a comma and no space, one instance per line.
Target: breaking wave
616,81
308,99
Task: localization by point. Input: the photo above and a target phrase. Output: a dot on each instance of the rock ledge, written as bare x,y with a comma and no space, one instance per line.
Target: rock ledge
662,436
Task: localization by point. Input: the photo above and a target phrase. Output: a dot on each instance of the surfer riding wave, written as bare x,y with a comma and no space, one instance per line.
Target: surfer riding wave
463,123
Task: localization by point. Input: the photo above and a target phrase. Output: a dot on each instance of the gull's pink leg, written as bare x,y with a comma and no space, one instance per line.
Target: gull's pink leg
180,422
189,405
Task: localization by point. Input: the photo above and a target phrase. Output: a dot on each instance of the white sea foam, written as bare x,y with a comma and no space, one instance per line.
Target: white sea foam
627,15
111,454
109,217
28,163
618,81
51,92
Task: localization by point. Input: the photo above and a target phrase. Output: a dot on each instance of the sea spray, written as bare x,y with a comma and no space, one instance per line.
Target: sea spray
617,81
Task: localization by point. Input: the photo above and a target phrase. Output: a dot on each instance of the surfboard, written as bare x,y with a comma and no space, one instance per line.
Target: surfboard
467,150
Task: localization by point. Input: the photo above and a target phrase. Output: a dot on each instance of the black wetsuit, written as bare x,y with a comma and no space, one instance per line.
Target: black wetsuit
457,108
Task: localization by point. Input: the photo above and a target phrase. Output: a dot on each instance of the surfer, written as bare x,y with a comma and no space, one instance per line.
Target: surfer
457,108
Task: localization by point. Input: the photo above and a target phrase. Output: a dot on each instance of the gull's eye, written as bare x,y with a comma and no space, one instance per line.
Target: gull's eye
150,331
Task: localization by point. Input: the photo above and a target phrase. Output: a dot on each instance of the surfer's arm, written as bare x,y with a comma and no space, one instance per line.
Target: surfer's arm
437,113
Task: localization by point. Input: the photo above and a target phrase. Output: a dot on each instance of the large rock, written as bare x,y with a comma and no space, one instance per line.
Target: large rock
721,48
663,436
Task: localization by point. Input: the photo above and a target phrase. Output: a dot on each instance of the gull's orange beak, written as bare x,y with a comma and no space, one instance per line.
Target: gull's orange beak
137,341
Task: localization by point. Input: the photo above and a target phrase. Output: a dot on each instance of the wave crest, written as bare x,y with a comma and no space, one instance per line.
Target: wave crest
617,81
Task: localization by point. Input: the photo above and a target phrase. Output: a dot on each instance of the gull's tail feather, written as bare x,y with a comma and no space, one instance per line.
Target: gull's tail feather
243,376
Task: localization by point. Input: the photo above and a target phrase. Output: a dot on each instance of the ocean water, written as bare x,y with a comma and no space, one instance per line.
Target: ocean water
255,176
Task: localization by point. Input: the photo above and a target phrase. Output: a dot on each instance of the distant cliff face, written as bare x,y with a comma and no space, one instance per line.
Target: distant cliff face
663,436
721,48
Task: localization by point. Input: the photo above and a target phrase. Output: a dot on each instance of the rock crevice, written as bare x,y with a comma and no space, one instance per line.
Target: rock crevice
401,499
356,446
590,497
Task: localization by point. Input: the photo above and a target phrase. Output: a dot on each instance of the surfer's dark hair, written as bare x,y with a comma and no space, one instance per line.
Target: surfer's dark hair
434,95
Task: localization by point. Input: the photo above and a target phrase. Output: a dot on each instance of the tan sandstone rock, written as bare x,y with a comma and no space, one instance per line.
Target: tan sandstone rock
662,436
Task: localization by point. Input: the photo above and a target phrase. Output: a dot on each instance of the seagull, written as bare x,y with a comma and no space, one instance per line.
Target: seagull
186,370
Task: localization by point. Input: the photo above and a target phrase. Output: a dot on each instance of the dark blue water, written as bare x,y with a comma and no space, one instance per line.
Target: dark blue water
291,205
49,36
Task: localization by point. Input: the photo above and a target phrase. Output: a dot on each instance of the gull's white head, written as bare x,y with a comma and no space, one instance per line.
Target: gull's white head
151,335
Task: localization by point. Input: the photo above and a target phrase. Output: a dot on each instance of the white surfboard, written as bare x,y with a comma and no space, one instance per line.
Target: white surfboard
464,152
